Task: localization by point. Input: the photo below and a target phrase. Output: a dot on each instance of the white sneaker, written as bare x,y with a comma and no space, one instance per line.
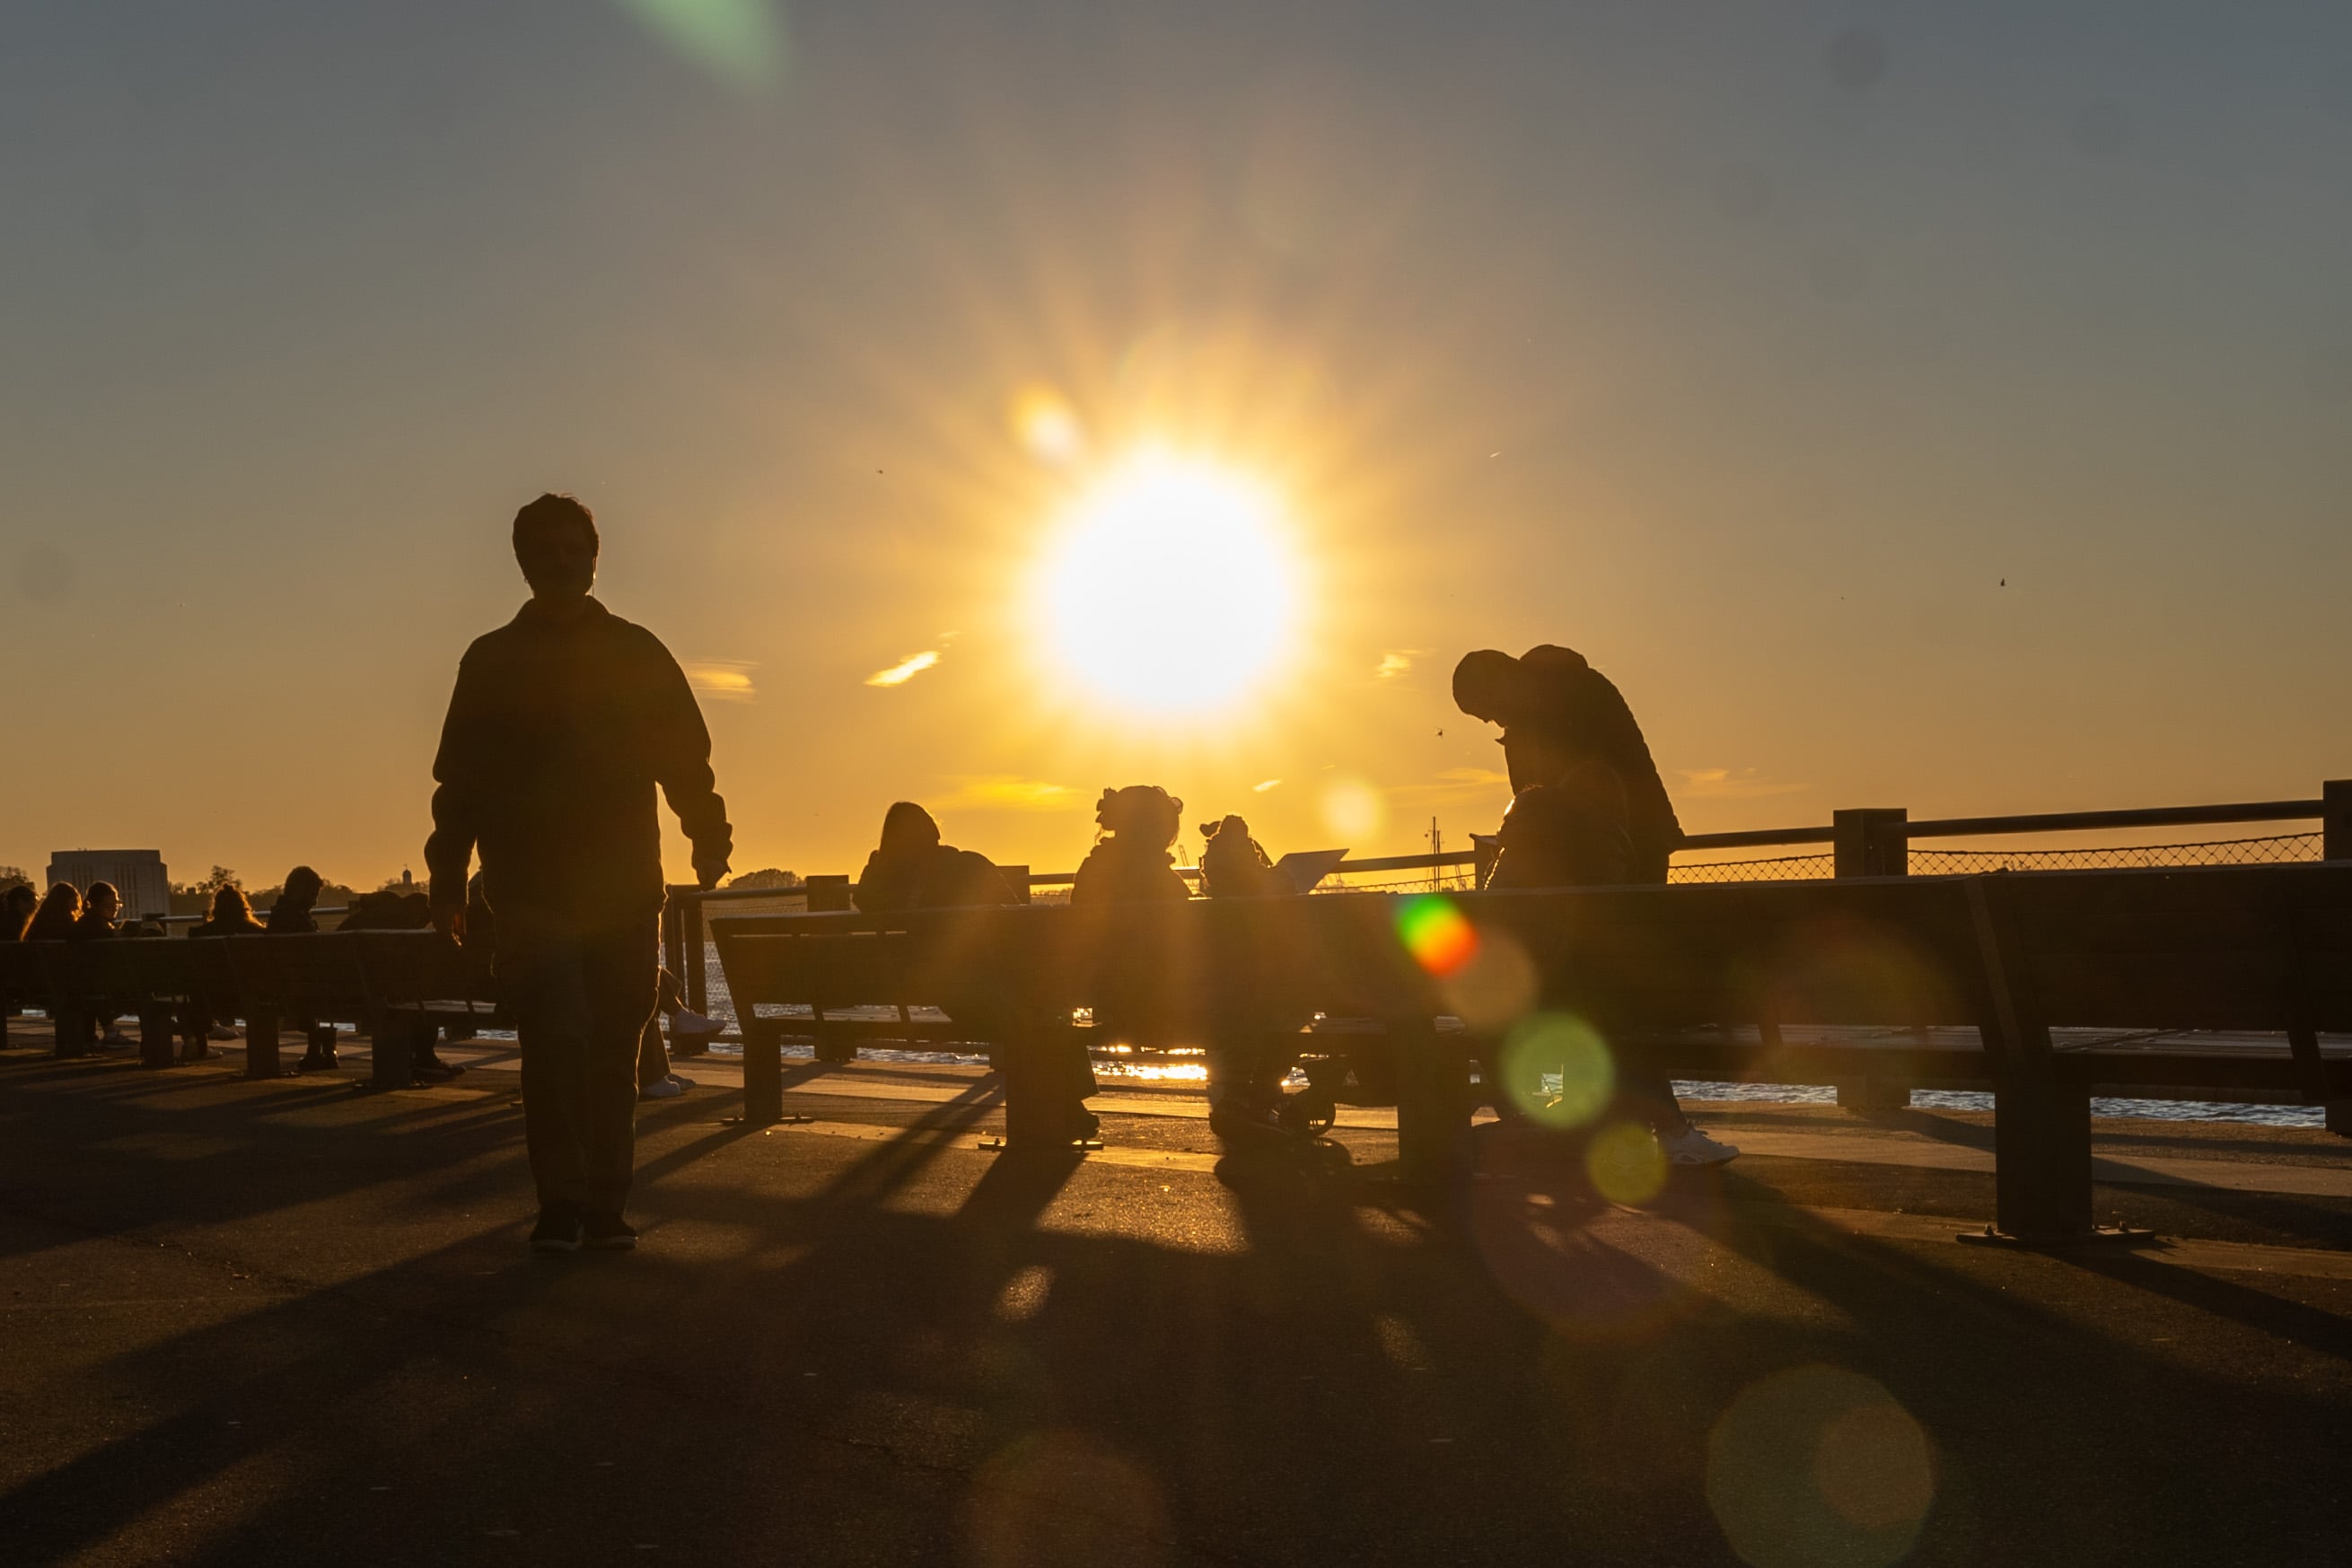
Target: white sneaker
1692,1147
220,1031
115,1037
685,1021
669,1088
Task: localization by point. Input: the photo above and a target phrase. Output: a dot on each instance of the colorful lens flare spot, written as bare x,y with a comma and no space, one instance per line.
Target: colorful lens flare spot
1626,1163
1555,1047
1439,937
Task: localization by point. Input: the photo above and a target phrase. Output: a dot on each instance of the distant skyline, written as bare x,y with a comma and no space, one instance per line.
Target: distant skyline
1943,406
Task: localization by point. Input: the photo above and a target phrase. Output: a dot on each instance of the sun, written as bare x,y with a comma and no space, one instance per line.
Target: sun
1169,587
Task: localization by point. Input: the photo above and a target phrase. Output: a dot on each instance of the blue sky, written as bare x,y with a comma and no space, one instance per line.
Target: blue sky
1748,348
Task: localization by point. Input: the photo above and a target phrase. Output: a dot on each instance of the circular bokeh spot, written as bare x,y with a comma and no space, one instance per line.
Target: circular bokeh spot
1559,1071
1626,1163
1817,1467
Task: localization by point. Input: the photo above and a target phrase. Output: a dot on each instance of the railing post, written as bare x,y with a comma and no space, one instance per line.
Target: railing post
694,980
2336,819
1872,840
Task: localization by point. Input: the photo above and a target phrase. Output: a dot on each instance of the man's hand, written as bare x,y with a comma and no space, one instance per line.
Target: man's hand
707,872
449,919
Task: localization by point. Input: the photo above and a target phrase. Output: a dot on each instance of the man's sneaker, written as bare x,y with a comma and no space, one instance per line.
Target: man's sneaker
558,1230
608,1233
430,1066
687,1022
220,1031
317,1062
669,1088
114,1037
1692,1147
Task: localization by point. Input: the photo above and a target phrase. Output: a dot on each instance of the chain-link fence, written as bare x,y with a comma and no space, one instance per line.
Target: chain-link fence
1779,868
2271,850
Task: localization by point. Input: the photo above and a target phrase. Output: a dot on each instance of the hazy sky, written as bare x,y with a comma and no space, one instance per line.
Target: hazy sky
1747,347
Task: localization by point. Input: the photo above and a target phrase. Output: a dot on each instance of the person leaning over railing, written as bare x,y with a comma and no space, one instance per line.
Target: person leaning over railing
1573,833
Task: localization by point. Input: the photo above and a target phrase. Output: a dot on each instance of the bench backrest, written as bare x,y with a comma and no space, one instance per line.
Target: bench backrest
2265,947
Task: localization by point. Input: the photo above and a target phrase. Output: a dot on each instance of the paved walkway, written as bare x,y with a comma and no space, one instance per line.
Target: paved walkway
293,1322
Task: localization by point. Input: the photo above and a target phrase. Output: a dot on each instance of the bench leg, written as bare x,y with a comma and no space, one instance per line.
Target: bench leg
155,1035
261,1046
395,1039
1433,1106
763,1073
2042,1146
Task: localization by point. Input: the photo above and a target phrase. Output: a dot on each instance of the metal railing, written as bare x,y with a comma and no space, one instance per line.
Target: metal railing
1868,841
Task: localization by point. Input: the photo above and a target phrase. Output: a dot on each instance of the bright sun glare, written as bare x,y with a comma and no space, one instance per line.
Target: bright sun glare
1170,586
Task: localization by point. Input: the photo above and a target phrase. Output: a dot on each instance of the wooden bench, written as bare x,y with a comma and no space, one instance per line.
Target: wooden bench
398,985
1704,981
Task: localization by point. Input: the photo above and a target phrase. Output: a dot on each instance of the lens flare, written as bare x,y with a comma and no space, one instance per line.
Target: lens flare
1497,987
1047,426
1547,1043
1439,937
1352,810
1626,1163
1819,1465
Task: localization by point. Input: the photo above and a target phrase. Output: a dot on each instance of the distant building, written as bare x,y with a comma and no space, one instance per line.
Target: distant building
139,876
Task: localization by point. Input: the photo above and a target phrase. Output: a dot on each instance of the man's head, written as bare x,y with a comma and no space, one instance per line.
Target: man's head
103,902
302,888
1486,685
555,545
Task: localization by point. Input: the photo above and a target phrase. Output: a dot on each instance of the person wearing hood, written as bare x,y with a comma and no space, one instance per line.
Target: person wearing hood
911,869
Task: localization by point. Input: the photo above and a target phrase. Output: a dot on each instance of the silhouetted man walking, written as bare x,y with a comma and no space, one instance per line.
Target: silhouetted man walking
564,721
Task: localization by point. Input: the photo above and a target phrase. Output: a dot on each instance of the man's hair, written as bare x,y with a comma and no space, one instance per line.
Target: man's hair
554,511
1485,684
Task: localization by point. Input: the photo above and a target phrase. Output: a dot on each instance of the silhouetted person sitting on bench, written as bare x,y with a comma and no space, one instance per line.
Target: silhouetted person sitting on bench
1573,833
1556,711
290,915
232,915
910,868
390,909
1233,864
101,911
54,920
99,920
16,907
563,723
1133,862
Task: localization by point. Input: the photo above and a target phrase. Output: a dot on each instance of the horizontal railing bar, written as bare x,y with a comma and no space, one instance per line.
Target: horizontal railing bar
2145,816
1755,838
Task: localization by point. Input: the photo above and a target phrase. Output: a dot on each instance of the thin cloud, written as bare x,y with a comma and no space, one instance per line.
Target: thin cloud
1397,662
905,670
1729,784
723,680
1008,792
1262,786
